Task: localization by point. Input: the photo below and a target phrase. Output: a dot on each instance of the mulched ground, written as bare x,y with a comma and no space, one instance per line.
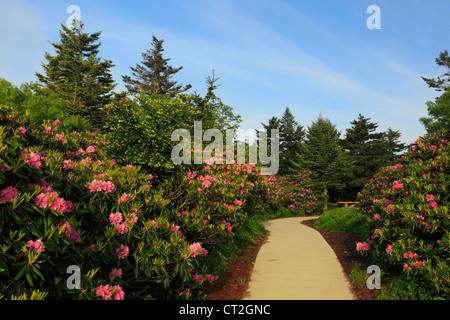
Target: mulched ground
233,284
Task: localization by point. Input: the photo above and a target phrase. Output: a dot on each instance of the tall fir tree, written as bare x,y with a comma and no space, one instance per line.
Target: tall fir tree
77,74
393,146
291,138
323,155
273,123
154,74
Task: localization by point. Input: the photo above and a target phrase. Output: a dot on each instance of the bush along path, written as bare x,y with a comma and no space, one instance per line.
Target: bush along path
65,202
407,210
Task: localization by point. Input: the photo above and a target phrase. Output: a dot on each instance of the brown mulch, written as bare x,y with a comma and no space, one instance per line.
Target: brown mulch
233,284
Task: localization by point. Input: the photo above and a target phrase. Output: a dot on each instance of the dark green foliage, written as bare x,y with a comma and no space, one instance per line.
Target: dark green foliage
78,75
367,150
154,74
439,111
323,156
141,130
291,138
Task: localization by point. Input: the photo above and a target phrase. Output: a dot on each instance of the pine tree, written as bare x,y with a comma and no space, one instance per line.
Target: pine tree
439,111
291,138
323,155
273,123
392,145
77,74
441,83
154,74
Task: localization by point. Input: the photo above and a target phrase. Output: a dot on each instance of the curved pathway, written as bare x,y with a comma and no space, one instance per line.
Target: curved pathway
296,263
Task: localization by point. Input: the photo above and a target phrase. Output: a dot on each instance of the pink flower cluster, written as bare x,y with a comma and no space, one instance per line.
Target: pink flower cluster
37,245
362,246
197,249
410,255
50,198
33,160
8,194
105,292
72,234
101,185
122,252
430,199
59,137
116,218
397,185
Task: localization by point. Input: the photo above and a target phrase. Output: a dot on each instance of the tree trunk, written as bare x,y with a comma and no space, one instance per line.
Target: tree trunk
325,192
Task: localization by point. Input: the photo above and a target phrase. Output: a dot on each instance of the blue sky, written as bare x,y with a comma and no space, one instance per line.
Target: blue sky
311,56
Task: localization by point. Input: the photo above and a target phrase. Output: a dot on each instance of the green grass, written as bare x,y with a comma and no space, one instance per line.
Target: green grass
343,219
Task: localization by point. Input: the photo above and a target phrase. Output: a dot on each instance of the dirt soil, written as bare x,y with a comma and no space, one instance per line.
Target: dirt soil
233,284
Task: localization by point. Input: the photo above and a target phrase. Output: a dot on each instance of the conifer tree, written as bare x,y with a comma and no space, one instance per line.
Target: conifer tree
77,74
273,123
291,138
323,155
154,74
439,111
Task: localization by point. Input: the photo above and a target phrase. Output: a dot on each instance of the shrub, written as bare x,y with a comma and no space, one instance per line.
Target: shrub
347,219
408,214
294,193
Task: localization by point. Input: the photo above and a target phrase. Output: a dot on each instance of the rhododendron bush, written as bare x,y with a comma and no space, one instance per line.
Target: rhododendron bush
295,193
407,205
65,203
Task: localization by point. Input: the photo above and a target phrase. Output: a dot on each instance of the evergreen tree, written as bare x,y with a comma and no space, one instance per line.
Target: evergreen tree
439,111
323,155
77,74
365,149
441,83
273,123
291,137
392,145
154,74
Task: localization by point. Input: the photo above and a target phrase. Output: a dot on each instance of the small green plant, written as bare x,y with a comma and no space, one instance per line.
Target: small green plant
359,276
347,219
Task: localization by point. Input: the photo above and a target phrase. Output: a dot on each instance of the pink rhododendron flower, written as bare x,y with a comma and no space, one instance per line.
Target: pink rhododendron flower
210,278
116,272
197,278
118,293
397,185
90,149
34,160
57,122
418,264
376,217
430,197
37,245
59,137
432,148
104,292
122,252
194,249
122,229
433,204
362,246
206,183
100,185
410,255
389,248
237,202
48,130
115,218
133,218
8,194
22,130
123,198
150,177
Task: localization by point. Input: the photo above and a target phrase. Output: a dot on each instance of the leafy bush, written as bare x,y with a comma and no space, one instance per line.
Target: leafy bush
407,206
347,219
64,203
294,193
141,131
